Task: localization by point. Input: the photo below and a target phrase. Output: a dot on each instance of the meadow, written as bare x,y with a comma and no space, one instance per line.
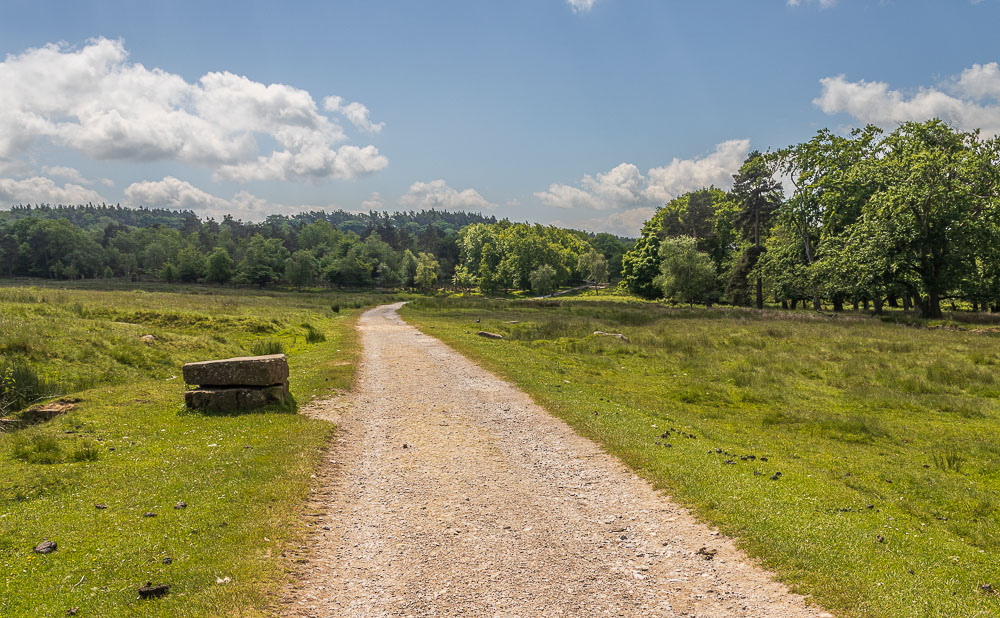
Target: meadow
857,457
106,480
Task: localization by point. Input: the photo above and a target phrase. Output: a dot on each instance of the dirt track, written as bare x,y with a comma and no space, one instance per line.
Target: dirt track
450,493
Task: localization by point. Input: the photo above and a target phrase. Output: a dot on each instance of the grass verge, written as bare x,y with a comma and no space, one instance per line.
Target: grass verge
885,436
103,480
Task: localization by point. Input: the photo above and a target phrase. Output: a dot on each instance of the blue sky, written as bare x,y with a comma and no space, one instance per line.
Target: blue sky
587,114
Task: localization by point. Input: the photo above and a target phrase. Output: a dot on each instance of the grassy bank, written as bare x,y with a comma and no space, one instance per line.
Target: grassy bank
130,447
885,435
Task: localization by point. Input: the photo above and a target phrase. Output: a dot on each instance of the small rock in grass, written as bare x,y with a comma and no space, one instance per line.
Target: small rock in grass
100,507
775,476
149,514
149,591
880,538
168,560
72,612
46,547
181,505
987,589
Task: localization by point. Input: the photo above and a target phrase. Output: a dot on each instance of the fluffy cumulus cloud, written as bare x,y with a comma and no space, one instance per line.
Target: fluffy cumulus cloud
581,6
624,223
625,187
970,100
437,194
42,190
179,194
172,193
96,101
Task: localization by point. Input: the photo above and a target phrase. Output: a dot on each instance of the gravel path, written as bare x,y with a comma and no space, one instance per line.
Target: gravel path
450,493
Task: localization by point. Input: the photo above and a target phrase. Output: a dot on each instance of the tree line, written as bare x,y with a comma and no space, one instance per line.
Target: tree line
907,218
414,249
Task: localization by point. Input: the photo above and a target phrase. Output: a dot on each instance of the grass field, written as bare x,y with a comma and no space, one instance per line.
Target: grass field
885,435
130,446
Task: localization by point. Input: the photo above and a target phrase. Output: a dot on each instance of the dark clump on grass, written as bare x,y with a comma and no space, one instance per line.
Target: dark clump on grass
948,459
263,347
313,335
21,386
47,449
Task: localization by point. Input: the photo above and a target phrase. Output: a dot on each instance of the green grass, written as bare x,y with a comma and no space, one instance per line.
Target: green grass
878,430
131,446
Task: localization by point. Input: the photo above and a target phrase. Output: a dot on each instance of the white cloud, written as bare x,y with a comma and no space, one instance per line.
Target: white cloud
173,193
825,4
69,173
581,6
980,81
178,194
626,187
357,113
437,194
41,190
374,202
623,223
96,101
971,101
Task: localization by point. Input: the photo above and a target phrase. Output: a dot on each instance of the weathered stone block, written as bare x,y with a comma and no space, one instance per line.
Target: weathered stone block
242,371
237,398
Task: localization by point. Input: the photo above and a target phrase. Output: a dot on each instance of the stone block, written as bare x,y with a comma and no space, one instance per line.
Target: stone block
234,399
242,371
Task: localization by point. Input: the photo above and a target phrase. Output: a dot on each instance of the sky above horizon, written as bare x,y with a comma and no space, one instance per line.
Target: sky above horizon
582,113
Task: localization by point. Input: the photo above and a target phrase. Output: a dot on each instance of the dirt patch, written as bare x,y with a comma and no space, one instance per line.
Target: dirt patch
449,492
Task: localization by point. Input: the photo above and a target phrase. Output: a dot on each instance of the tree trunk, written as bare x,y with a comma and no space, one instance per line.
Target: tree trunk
975,306
784,304
930,307
866,304
817,305
760,293
857,304
838,303
906,302
878,306
892,301
795,303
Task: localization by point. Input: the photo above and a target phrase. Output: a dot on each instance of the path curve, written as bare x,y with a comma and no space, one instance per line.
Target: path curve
450,493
